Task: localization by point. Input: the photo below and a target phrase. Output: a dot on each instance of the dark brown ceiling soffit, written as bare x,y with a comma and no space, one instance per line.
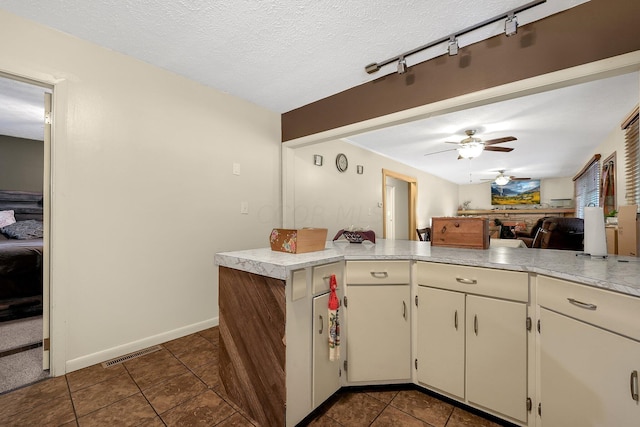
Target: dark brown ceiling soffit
589,32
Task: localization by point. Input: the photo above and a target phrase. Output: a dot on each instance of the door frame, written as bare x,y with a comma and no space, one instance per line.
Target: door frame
52,359
413,191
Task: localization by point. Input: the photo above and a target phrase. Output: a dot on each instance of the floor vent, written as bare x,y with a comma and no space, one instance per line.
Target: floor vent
130,356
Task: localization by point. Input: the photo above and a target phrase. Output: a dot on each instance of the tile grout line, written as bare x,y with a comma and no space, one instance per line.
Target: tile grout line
73,405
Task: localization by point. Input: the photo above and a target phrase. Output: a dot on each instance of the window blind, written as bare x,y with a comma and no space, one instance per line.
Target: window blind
587,186
632,158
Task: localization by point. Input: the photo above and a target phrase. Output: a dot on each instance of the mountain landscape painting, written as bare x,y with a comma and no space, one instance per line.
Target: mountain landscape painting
516,193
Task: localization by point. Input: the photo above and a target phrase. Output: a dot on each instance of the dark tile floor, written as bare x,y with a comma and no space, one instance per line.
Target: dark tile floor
179,386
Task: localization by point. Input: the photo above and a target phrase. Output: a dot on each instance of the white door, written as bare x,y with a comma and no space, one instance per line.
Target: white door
390,206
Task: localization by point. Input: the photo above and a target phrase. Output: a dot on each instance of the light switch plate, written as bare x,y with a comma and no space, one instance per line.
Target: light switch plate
236,168
244,208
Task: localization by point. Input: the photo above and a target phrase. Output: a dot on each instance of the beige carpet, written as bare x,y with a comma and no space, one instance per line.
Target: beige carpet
19,368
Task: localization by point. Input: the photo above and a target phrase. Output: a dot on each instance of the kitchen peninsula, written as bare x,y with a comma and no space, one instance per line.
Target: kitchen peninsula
274,354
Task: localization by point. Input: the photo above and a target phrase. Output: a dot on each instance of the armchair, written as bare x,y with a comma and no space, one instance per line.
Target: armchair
529,237
562,233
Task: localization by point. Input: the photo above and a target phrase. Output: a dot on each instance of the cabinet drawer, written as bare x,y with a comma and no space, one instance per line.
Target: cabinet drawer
322,273
609,310
378,272
512,285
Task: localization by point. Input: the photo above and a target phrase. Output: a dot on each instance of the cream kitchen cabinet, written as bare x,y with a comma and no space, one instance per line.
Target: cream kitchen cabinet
378,321
326,373
472,339
441,340
589,345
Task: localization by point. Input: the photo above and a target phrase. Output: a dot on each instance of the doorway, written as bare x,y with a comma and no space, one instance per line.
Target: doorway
25,140
399,193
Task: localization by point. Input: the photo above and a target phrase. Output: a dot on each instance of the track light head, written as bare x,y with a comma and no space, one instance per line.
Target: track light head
511,25
372,68
402,65
453,46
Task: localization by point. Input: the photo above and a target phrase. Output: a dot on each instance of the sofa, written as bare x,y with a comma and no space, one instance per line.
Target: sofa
559,233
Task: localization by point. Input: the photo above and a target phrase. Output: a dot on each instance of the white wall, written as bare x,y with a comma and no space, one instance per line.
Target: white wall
324,197
143,192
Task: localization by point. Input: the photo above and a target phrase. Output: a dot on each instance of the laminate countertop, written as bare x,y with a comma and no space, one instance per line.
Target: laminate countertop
616,273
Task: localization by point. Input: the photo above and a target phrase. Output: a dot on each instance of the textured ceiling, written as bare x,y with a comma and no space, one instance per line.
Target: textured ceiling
280,54
285,54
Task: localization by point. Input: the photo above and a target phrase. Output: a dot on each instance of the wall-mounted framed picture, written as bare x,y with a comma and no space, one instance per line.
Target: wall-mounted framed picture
516,193
317,159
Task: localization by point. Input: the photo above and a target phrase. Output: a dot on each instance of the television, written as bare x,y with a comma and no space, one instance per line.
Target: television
516,193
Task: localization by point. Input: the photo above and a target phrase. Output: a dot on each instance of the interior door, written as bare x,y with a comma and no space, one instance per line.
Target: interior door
390,209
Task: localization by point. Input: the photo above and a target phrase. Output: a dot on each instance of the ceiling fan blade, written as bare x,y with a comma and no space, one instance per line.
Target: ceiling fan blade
513,178
503,149
500,140
441,151
451,142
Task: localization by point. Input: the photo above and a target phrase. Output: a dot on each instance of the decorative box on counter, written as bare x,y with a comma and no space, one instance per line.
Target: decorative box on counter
460,232
297,241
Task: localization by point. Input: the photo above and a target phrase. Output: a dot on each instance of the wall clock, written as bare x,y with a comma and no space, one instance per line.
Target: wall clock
341,162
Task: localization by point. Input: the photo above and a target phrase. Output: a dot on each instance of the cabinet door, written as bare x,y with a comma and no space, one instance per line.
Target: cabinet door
378,333
326,373
441,325
586,374
497,355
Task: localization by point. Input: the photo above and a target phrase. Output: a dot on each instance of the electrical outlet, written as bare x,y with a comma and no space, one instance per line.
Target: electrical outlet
236,168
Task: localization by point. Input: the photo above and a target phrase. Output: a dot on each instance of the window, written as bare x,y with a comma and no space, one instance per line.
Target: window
587,186
632,156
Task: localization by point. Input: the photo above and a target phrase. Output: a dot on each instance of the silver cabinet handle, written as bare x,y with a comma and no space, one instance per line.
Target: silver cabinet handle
404,310
466,281
475,324
379,274
581,304
321,324
455,320
634,385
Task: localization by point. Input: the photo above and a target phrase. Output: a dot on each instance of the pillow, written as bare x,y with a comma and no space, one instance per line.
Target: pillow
30,229
6,218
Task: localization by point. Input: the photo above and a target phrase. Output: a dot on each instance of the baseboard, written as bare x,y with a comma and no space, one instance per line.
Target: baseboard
110,353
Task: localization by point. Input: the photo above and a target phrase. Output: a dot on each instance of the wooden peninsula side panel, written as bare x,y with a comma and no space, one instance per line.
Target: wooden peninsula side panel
252,347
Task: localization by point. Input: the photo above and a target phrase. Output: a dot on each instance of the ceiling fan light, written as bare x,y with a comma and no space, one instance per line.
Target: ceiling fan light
470,150
502,180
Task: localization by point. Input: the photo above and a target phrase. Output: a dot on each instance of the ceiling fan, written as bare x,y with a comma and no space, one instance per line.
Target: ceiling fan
502,179
472,146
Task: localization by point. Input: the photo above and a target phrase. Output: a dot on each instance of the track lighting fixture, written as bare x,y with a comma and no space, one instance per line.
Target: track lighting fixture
402,65
510,28
453,46
511,25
